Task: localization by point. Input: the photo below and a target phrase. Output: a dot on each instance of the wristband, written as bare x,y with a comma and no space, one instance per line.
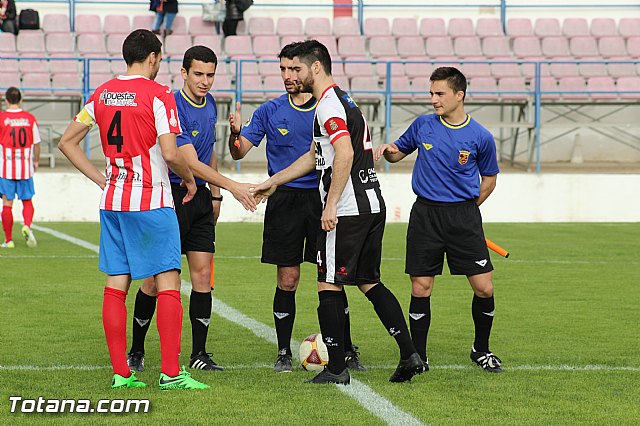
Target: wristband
214,198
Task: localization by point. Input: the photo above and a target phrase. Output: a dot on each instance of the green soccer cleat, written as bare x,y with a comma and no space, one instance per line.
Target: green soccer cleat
119,382
28,236
8,244
182,381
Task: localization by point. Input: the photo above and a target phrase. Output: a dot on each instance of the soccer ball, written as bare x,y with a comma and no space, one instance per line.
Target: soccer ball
313,353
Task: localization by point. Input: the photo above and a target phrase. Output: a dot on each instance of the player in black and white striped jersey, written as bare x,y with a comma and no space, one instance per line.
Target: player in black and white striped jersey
353,217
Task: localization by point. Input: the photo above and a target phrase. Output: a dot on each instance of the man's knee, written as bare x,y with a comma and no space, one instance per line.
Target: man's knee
288,277
421,286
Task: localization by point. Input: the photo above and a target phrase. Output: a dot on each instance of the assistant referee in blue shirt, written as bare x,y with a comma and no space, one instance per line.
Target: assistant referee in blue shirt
454,173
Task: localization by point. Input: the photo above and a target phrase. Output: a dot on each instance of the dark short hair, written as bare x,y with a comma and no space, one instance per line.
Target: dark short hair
13,95
288,51
310,51
455,79
139,45
198,53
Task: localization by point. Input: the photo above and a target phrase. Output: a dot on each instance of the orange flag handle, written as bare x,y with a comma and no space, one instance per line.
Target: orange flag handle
211,281
493,246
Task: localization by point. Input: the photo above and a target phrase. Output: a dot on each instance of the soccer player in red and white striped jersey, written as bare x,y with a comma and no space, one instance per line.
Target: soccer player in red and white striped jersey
139,236
20,145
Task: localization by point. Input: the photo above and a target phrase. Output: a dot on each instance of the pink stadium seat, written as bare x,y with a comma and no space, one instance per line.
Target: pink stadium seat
602,84
30,41
571,86
55,23
376,27
176,44
117,24
554,47
512,84
482,84
421,86
274,86
168,80
36,84
7,44
361,68
466,46
164,68
142,21
266,45
88,24
351,46
33,65
629,27
439,46
603,27
418,69
174,65
400,85
249,65
574,27
629,84
238,45
288,39
404,27
432,27
91,43
547,27
288,25
506,69
547,84
59,65
583,46
117,65
369,84
494,46
67,84
621,69
411,46
262,25
97,79
199,27
526,46
212,41
345,25
459,27
489,27
179,25
9,80
343,83
564,67
272,68
60,43
588,69
609,47
519,27
98,65
317,26
337,68
633,47
9,66
221,84
330,42
114,43
382,46
252,83
473,70
397,70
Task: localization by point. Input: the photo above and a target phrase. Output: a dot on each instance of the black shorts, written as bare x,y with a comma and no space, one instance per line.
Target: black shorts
197,227
291,224
351,253
451,228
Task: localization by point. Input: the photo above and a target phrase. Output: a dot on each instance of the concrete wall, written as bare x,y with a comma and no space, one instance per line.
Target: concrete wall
519,197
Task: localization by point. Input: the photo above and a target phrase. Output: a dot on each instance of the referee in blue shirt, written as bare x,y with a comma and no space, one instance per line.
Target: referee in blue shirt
454,173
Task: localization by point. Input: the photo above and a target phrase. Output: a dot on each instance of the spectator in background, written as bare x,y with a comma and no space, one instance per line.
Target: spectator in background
8,15
166,10
235,10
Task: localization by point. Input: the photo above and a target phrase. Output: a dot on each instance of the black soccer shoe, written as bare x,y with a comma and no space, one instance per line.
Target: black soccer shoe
425,365
203,361
326,376
283,364
135,360
407,368
486,360
352,359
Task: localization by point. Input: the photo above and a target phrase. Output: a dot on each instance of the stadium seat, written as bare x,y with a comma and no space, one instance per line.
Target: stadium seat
345,25
9,80
583,46
212,41
67,84
397,69
460,27
36,84
564,67
482,84
419,69
60,43
91,43
602,84
98,65
573,88
288,39
114,43
526,46
269,67
633,47
7,44
519,27
629,84
466,46
376,27
316,26
575,27
274,86
96,79
238,45
266,45
620,69
493,46
547,27
337,68
343,82
261,25
30,41
609,47
365,84
168,80
592,67
361,68
479,69
248,63
528,69
421,86
547,84
142,22
88,24
37,64
288,25
404,27
330,42
10,66
629,27
382,46
221,85
55,23
59,63
439,46
400,85
199,27
603,27
554,47
351,46
506,69
432,27
489,27
410,46
512,84
117,24
179,26
252,83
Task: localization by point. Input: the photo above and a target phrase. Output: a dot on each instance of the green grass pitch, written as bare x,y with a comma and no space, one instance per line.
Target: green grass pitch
566,328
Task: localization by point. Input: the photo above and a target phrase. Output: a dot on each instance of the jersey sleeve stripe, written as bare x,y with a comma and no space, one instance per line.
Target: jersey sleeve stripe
338,135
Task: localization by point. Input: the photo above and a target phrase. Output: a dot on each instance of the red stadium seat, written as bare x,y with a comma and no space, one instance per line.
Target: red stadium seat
97,79
564,67
584,46
252,82
274,86
222,83
60,65
418,69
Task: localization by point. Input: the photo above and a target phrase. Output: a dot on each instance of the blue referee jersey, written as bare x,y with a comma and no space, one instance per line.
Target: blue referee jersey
289,131
450,158
198,123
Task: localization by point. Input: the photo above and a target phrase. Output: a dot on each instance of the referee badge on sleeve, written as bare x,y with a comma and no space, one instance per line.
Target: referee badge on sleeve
463,157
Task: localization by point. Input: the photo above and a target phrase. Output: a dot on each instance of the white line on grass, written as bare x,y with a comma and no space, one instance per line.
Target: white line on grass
374,403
